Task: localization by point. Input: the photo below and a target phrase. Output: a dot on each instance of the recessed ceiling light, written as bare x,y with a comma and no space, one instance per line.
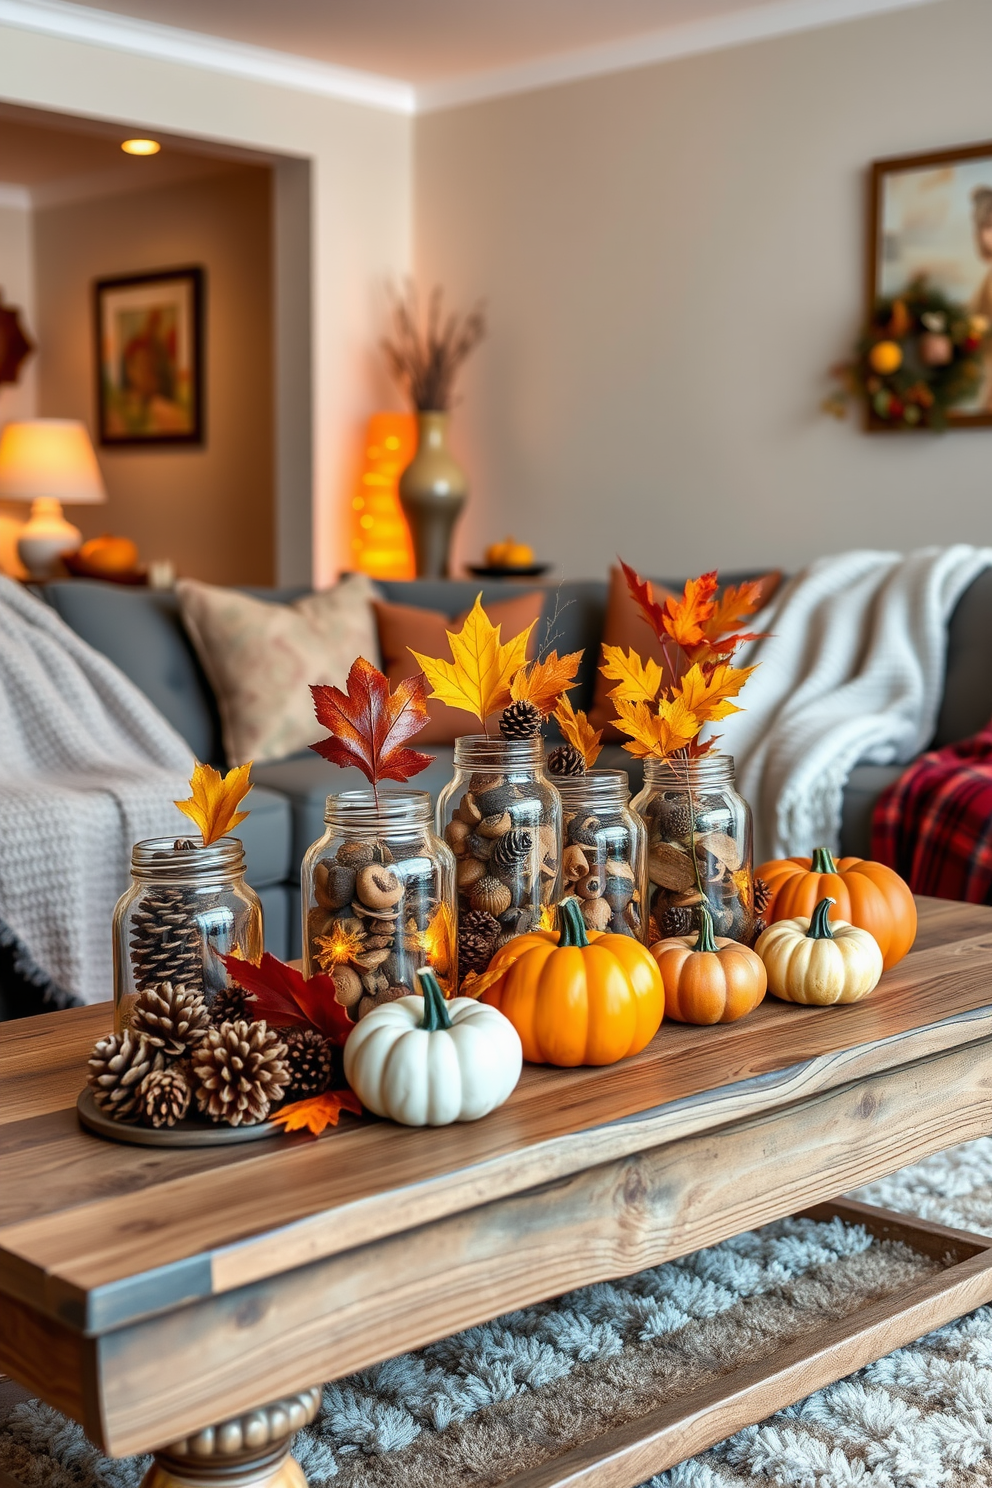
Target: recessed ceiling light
141,147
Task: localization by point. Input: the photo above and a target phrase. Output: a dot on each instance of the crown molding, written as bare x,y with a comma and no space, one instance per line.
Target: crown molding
12,195
212,53
715,33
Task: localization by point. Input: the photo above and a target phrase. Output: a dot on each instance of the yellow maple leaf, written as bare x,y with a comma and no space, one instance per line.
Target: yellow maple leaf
317,1112
213,804
656,733
544,682
637,681
579,732
709,697
478,677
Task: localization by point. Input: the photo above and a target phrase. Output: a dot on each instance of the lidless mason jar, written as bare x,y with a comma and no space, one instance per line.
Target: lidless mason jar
603,853
379,898
501,816
187,905
699,847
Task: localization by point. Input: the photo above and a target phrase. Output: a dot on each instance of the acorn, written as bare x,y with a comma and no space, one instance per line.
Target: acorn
492,896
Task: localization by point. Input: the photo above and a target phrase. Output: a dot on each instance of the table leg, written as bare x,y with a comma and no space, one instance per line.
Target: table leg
249,1451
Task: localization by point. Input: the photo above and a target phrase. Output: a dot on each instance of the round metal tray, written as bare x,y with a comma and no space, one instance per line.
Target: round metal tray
186,1134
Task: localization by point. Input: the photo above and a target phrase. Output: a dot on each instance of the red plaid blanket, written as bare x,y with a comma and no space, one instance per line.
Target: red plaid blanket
934,826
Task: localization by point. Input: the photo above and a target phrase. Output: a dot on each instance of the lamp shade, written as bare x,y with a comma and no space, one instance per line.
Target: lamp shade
52,458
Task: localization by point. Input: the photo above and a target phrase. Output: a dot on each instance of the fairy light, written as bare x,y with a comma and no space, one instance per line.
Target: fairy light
380,539
140,146
437,942
341,945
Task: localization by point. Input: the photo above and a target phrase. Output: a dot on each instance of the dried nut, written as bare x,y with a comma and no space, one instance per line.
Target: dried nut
587,823
347,986
549,842
495,826
468,873
319,922
370,960
378,886
491,895
617,868
386,916
468,811
670,867
722,847
351,926
333,884
356,854
378,942
481,784
590,887
455,834
596,913
374,981
574,864
479,847
688,899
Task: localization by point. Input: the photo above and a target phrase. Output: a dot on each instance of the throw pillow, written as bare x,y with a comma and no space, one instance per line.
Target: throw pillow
624,627
405,626
260,658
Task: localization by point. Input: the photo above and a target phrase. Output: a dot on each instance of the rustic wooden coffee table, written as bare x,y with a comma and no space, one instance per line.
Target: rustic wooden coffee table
151,1294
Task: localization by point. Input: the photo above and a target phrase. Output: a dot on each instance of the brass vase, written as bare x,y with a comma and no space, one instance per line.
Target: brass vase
432,492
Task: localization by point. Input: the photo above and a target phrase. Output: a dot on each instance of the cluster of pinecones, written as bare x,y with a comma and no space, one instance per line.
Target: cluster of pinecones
174,1052
522,721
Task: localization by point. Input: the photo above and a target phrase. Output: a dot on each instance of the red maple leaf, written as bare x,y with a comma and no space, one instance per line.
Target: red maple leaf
369,724
642,593
286,998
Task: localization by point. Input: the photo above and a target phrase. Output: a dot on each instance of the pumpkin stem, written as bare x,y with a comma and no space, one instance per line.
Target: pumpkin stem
819,925
705,941
435,1007
573,926
823,861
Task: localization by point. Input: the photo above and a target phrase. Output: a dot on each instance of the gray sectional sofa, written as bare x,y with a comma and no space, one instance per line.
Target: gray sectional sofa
141,631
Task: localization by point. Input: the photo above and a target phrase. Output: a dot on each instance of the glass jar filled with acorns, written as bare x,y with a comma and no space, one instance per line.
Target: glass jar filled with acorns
698,847
501,817
603,846
379,898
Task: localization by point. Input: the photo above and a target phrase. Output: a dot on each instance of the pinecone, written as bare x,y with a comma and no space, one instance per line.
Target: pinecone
675,815
170,1018
164,1097
513,848
118,1065
566,760
239,1071
762,896
520,721
166,943
230,1005
676,919
309,1058
478,934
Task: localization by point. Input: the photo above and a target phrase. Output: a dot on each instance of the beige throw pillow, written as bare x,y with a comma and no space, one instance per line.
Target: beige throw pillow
261,658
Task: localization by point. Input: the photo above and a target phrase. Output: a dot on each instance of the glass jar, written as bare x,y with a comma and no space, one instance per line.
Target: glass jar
699,847
603,851
379,898
186,903
501,816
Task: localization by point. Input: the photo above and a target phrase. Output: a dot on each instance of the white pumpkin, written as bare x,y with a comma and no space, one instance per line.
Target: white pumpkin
819,961
423,1061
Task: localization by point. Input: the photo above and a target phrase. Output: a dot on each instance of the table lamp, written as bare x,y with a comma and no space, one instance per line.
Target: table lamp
48,461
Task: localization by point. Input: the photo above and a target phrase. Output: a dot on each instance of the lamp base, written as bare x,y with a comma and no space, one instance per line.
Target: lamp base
46,537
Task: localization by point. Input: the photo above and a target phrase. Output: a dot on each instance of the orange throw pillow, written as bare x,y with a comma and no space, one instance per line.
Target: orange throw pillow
405,626
624,627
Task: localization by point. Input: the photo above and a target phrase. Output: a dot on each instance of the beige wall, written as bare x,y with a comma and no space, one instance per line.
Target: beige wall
209,509
673,258
17,288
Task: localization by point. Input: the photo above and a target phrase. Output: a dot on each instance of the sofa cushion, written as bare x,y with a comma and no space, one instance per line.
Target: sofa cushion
967,703
865,784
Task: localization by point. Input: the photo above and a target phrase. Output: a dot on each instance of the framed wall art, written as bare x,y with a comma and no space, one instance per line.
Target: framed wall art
930,215
149,344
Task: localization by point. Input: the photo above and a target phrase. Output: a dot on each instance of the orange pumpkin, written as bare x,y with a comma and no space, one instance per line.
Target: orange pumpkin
579,997
707,979
865,894
107,554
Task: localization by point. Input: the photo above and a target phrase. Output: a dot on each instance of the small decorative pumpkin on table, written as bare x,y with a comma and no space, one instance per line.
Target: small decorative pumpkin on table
709,979
576,996
818,961
868,895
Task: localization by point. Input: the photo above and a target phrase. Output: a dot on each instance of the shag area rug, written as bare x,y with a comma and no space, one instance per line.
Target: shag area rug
475,1408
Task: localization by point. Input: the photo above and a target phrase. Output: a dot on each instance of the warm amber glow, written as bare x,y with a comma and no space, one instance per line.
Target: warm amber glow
547,920
380,541
438,944
49,458
341,945
140,147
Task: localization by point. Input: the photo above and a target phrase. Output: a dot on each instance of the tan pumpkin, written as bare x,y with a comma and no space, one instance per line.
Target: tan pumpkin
818,961
709,979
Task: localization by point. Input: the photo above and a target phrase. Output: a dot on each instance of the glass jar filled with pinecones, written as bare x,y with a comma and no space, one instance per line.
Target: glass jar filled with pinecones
603,851
699,847
501,817
379,898
187,906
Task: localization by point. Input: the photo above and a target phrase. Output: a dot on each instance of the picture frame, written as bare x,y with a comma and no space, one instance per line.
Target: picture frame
149,357
931,213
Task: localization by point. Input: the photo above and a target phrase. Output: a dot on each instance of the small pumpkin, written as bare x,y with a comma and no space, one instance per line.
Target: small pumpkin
869,895
578,996
818,961
423,1061
707,979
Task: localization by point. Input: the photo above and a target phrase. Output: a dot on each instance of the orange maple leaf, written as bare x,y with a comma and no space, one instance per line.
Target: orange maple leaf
318,1112
213,804
542,683
659,733
642,593
370,724
685,618
735,603
707,694
579,732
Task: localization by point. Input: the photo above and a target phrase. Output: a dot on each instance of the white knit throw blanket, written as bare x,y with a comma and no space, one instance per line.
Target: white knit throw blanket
87,768
852,673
